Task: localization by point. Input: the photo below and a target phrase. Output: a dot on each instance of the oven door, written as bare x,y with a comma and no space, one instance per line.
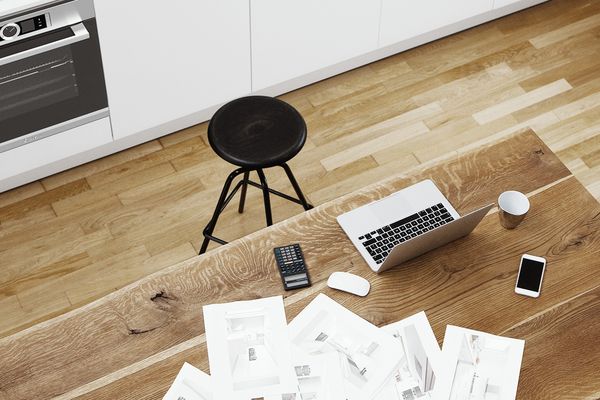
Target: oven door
50,83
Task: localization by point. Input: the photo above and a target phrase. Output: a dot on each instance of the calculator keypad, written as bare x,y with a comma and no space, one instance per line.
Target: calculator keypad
291,266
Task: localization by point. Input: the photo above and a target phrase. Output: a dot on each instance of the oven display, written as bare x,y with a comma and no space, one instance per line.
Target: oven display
16,29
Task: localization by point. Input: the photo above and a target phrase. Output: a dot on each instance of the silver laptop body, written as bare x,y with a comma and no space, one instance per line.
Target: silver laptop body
406,224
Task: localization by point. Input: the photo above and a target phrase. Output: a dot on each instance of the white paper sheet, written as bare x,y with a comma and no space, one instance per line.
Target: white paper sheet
420,363
367,355
479,366
319,378
249,349
190,384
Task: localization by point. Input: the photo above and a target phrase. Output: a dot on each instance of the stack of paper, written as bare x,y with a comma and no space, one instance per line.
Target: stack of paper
329,353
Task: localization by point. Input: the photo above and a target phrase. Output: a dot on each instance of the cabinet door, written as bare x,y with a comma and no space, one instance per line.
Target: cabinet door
405,19
502,3
165,60
291,38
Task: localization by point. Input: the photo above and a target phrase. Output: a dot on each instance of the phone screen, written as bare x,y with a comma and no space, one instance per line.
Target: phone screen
530,276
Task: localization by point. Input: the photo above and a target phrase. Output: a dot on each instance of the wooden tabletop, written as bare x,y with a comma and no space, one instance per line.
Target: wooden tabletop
132,343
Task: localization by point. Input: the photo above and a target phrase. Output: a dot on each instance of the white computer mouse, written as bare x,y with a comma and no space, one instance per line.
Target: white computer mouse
349,283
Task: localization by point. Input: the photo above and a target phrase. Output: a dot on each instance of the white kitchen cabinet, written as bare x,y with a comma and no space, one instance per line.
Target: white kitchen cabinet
291,38
502,3
166,60
52,154
404,19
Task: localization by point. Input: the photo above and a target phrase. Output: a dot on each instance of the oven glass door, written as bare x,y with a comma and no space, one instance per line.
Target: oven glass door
47,80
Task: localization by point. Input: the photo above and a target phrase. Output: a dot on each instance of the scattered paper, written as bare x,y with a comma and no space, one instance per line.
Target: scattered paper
329,353
478,365
367,355
319,377
190,384
420,363
249,349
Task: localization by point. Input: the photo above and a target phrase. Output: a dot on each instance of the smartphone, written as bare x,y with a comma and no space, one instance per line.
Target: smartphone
531,273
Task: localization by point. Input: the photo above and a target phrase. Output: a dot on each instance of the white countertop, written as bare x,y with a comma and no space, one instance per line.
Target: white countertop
8,7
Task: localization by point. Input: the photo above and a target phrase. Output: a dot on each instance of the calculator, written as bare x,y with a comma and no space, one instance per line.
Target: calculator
292,267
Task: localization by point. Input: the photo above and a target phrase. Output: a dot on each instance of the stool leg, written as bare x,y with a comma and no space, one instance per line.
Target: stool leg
213,221
299,193
267,200
243,194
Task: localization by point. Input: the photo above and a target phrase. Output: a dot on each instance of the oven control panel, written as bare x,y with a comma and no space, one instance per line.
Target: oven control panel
16,29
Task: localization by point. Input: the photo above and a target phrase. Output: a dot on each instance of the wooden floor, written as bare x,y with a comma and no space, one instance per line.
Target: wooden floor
78,235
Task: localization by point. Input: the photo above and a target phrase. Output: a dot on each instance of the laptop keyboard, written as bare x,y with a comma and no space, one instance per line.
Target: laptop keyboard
380,242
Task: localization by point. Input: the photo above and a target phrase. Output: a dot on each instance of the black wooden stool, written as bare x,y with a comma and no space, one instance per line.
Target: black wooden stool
254,133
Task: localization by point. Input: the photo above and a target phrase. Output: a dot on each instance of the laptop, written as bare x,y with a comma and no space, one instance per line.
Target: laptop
406,224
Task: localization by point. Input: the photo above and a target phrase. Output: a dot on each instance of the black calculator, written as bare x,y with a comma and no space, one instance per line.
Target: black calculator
292,267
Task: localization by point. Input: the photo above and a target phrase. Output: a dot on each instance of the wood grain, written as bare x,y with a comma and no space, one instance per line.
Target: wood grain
466,287
163,311
150,203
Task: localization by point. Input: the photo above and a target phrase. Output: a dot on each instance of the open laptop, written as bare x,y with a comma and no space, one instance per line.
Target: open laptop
406,224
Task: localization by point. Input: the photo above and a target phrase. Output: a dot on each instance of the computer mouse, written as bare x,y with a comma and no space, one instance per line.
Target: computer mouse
350,283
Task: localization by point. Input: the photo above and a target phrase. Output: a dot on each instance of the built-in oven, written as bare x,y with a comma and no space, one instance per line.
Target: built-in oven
51,77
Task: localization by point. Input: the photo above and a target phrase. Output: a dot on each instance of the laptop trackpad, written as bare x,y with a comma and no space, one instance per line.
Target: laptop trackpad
391,209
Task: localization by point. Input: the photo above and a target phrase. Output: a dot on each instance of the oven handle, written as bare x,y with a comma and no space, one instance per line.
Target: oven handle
79,31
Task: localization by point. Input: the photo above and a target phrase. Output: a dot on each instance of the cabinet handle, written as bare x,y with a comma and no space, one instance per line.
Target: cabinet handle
79,34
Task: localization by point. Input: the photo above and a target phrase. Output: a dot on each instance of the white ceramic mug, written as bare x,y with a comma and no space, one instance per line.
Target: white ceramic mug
512,208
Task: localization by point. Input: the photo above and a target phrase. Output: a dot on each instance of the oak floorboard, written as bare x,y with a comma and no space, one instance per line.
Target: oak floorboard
565,32
83,171
573,101
21,193
20,208
27,220
511,106
577,72
111,189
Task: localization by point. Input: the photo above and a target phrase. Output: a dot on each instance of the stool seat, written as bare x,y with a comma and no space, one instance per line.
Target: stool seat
257,132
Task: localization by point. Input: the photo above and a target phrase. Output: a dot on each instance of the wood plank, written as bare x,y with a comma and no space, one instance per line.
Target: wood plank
576,150
102,164
546,16
578,106
593,159
464,287
565,32
101,192
577,72
346,85
455,91
573,130
199,130
42,300
543,372
49,254
364,149
21,208
134,326
13,313
525,100
139,264
152,159
575,101
27,220
21,193
394,123
20,283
